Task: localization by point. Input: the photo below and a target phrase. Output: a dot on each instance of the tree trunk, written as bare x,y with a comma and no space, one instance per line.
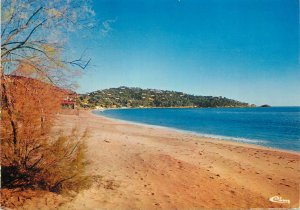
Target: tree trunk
7,104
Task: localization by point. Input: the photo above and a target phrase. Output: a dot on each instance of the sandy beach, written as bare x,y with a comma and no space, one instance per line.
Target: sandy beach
142,167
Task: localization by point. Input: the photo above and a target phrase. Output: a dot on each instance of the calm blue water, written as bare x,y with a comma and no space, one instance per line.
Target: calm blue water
277,127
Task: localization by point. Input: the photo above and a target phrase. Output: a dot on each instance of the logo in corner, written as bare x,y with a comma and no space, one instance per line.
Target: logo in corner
278,199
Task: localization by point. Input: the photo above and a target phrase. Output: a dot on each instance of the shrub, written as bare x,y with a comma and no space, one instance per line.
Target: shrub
30,157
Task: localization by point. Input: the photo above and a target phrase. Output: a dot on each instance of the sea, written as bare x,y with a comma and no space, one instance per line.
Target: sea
274,127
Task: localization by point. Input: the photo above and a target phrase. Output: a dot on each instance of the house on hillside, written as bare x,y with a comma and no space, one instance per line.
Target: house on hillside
69,100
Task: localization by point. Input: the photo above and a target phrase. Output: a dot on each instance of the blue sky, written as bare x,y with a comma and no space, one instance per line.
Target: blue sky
242,49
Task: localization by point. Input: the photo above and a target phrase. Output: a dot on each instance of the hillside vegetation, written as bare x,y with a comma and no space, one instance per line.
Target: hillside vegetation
137,97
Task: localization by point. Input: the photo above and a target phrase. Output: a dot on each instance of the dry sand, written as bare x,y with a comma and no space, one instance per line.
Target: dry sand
142,167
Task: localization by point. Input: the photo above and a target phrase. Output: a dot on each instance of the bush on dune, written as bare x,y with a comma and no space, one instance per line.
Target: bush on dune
66,167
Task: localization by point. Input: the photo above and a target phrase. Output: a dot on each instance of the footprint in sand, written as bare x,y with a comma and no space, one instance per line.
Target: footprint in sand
285,185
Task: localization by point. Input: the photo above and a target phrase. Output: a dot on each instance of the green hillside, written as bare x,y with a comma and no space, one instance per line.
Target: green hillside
137,97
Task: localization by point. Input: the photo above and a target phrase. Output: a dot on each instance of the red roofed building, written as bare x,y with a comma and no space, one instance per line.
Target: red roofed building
69,100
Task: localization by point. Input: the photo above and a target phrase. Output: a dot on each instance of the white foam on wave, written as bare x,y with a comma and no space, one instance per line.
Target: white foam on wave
237,139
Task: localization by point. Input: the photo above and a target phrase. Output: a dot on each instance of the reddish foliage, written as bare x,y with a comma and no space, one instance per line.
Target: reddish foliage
34,105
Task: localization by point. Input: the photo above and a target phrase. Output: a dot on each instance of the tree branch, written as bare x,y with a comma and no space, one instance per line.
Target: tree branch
26,39
15,31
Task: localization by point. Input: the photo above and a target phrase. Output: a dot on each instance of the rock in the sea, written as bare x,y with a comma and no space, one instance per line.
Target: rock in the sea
265,105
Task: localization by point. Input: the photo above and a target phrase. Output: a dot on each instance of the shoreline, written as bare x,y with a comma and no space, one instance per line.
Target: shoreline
211,137
143,167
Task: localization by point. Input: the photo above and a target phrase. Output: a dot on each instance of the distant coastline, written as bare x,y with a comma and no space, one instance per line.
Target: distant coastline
152,98
179,107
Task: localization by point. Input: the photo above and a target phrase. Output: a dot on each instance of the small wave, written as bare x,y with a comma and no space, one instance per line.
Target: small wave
237,139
